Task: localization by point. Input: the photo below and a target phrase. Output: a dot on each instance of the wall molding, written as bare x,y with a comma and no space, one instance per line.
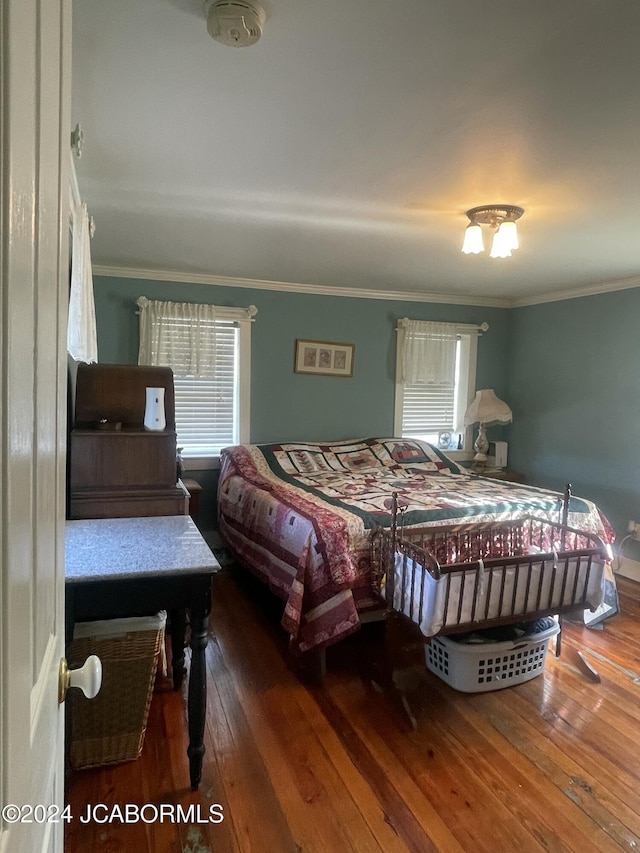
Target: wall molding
292,287
363,293
627,567
588,290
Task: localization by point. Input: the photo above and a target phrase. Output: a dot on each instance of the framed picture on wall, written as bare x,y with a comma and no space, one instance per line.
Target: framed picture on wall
324,358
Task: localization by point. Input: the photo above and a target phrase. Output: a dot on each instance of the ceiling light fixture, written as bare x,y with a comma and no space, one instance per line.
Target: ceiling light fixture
502,218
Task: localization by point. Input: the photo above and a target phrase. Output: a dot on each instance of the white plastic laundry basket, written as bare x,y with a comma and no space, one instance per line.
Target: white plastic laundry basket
476,667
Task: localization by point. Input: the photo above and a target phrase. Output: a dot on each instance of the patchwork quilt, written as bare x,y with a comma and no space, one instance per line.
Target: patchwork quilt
299,515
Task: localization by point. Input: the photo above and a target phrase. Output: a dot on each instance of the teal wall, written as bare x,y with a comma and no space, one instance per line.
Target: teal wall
574,388
287,406
568,369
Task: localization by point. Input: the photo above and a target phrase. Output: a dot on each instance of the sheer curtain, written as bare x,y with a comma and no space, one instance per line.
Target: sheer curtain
429,352
82,340
178,334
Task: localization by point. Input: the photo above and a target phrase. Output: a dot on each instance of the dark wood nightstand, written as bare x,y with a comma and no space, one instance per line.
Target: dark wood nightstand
502,474
194,488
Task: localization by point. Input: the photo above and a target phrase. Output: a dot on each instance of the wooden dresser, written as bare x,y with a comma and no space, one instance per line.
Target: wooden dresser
117,468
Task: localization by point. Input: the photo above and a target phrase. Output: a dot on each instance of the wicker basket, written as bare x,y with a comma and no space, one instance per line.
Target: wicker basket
489,666
111,727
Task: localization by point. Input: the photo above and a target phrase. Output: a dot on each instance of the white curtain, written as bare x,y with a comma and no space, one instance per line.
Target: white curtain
82,340
180,335
429,352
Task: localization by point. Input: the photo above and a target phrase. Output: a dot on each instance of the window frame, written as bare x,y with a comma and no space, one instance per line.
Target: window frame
239,317
466,384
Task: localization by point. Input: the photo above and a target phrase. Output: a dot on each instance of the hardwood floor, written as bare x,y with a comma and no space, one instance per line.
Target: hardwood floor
552,764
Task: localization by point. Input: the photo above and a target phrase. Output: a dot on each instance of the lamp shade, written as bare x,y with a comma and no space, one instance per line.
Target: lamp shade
509,232
486,408
502,243
473,244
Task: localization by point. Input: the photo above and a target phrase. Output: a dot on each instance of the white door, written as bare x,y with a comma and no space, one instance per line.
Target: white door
34,140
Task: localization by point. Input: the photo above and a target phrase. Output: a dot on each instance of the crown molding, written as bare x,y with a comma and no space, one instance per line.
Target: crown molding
291,287
363,293
589,290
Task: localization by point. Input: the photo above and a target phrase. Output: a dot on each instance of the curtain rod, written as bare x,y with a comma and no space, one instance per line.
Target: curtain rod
73,182
225,313
460,327
75,199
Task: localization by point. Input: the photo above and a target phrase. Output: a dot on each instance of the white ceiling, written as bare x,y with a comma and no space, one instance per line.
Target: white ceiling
343,149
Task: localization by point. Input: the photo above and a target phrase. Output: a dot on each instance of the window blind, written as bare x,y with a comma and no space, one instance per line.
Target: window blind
428,405
208,347
427,409
207,408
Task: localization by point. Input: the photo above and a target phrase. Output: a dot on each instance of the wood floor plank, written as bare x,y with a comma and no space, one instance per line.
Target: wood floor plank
560,763
607,736
257,817
413,817
613,786
288,803
475,730
476,811
550,765
287,736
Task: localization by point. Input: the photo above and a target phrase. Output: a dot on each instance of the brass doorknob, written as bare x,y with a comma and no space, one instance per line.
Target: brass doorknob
88,677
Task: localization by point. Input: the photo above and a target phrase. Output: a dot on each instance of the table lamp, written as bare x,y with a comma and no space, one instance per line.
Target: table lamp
485,409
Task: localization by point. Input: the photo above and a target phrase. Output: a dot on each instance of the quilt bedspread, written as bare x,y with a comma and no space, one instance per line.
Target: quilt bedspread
300,515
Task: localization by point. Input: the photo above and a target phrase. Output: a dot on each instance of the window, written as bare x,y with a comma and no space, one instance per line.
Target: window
209,351
427,407
207,409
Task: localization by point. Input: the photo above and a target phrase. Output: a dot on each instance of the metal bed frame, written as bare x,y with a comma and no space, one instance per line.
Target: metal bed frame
486,574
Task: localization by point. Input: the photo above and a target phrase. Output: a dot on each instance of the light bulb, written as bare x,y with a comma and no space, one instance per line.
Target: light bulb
501,246
472,240
510,232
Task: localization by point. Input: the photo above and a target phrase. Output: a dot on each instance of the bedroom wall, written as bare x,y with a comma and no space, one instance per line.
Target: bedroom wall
287,406
574,388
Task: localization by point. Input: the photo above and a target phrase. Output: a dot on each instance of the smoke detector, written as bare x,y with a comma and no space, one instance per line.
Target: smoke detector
236,23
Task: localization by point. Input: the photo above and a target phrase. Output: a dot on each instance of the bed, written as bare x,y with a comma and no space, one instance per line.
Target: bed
300,516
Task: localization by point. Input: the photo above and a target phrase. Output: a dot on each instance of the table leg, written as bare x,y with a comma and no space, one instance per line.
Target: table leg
197,698
178,623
